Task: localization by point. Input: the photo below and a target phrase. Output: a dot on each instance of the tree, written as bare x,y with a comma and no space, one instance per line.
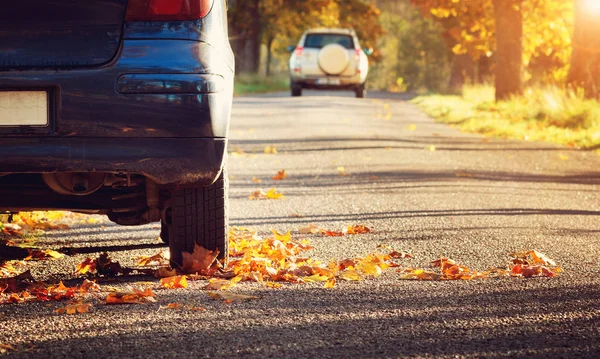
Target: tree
585,63
509,48
473,26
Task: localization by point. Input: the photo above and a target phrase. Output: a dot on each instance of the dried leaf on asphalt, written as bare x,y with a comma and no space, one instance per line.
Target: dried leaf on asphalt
256,180
310,229
358,229
6,347
271,194
174,282
328,233
132,296
159,259
164,272
280,176
532,257
229,297
88,266
350,275
74,308
174,306
342,172
331,282
270,150
200,260
219,284
41,254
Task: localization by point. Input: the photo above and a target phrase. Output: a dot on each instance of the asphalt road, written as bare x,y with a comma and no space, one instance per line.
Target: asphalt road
472,199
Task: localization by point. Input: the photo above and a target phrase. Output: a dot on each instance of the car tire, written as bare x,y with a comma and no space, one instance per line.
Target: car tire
199,216
361,91
296,90
164,232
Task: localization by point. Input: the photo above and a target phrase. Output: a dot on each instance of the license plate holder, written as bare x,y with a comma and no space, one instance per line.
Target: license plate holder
24,108
328,81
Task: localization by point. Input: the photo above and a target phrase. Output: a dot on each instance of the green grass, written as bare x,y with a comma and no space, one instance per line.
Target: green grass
246,84
541,114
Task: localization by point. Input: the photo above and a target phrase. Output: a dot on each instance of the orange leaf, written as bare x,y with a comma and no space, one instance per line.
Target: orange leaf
200,260
359,229
87,266
74,308
134,296
280,176
174,282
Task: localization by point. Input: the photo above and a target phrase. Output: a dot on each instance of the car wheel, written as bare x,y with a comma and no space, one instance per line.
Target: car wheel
296,91
199,216
361,91
164,232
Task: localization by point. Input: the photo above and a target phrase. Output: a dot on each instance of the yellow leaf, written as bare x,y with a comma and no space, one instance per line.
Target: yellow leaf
219,284
256,180
273,285
431,148
316,278
350,275
563,157
282,237
271,150
369,269
411,127
272,194
330,283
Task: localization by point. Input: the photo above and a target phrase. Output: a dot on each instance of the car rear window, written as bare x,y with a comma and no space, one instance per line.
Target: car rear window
318,41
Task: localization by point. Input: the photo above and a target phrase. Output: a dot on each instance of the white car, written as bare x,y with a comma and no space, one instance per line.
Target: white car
329,59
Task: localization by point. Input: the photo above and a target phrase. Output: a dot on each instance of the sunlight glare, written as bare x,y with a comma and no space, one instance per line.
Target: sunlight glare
592,6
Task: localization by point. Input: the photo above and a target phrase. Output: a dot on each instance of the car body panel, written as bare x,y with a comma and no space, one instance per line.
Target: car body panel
168,84
76,34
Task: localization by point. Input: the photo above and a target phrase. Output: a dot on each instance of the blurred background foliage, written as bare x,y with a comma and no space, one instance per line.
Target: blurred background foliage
433,45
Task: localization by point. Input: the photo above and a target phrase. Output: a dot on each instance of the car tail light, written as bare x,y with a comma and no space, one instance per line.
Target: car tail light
299,50
167,10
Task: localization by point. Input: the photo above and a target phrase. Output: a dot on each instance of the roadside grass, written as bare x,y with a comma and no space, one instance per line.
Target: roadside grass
547,114
246,84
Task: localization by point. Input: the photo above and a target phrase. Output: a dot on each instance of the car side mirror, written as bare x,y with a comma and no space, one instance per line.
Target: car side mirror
291,48
368,51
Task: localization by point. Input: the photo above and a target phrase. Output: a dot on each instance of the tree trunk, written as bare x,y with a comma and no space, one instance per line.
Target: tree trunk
247,41
585,62
269,56
509,52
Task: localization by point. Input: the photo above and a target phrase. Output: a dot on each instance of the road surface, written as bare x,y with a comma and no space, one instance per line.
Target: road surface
424,187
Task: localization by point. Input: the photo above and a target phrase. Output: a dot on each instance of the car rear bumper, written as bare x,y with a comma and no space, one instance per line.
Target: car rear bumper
177,162
327,82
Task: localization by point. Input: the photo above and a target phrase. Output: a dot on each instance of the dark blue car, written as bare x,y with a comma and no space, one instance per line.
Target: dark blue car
118,107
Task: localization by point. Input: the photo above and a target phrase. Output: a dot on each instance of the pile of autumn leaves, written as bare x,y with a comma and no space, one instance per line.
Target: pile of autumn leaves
270,261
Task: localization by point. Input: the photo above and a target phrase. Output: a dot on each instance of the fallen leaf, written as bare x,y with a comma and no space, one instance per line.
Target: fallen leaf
310,229
358,229
159,259
200,260
563,157
350,275
74,308
280,176
271,150
219,284
133,296
87,266
174,306
330,283
174,282
256,180
342,171
164,272
411,127
431,148
231,297
271,194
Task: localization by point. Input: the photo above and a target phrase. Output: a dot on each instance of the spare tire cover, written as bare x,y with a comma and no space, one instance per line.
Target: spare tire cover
333,59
